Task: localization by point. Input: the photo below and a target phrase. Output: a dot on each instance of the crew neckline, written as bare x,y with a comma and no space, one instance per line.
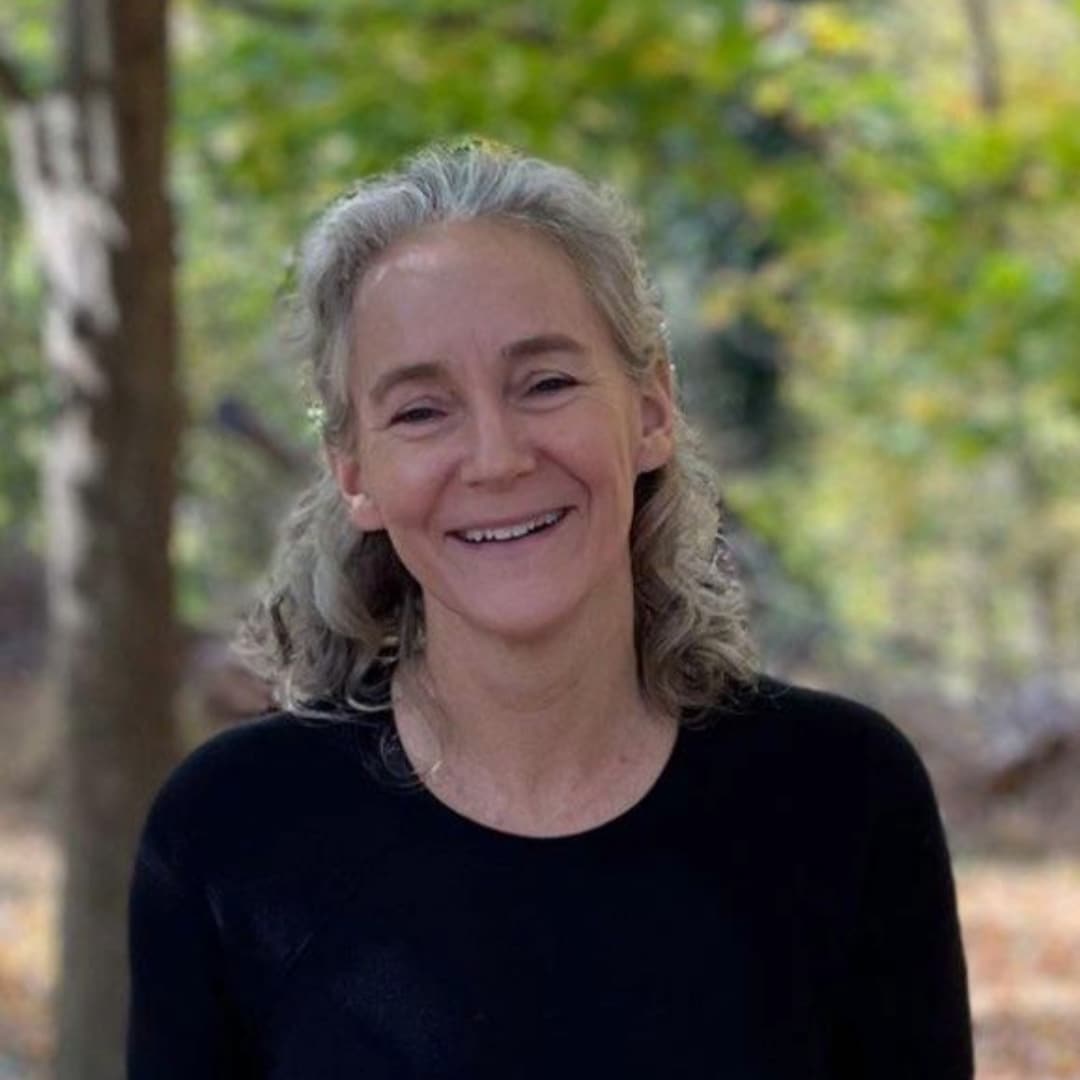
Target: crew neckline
646,806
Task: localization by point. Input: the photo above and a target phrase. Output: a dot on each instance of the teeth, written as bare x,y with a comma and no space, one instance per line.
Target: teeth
512,532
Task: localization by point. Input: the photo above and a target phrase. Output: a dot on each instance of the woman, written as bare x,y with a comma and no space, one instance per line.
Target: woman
527,811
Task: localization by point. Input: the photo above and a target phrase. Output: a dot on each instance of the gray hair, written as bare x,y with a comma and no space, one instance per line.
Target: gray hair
340,609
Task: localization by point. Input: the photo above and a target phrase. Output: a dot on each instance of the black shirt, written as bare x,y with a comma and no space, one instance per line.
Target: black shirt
779,906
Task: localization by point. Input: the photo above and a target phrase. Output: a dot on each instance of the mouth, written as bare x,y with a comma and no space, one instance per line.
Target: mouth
505,534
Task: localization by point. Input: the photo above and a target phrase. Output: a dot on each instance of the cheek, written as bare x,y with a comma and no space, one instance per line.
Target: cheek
605,447
405,486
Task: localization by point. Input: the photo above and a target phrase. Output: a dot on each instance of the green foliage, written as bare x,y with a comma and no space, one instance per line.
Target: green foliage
932,305
353,87
814,176
27,32
24,397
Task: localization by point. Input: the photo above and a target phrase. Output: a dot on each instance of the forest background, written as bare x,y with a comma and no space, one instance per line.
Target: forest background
863,218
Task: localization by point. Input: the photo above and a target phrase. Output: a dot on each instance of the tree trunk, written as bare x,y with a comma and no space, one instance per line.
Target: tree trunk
90,163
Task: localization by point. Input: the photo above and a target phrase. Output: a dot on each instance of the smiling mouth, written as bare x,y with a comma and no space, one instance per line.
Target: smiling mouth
506,533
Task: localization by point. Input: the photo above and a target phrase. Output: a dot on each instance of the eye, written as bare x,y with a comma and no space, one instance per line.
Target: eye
416,414
551,384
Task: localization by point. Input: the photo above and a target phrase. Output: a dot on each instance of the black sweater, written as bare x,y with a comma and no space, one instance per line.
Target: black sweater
778,907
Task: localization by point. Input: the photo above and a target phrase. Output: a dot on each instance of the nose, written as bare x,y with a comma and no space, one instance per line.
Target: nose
498,450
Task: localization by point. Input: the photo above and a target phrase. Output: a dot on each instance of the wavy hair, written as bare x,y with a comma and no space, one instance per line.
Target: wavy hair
340,610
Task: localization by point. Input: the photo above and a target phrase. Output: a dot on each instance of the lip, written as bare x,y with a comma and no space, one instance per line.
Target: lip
508,522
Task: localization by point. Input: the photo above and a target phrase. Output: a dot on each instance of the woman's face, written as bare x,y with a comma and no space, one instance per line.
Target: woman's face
499,437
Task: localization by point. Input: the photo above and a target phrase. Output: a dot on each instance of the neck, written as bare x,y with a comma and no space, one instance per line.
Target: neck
525,716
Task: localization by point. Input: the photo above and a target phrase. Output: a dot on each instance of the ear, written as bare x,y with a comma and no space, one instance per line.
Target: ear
363,512
657,401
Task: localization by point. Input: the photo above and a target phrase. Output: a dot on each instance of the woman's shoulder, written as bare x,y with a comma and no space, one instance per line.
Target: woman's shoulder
804,713
264,750
812,774
812,733
256,778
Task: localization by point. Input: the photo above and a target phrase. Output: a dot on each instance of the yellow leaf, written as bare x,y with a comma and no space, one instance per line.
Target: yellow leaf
831,30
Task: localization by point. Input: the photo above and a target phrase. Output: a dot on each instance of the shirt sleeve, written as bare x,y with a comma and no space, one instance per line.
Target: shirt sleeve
905,1013
181,1023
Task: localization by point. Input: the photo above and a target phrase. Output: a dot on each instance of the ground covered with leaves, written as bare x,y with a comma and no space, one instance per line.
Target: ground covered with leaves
1022,932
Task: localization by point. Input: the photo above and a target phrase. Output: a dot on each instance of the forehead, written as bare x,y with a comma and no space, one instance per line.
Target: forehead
455,247
474,285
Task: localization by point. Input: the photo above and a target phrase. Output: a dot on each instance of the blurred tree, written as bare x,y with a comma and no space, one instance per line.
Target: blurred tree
89,163
929,294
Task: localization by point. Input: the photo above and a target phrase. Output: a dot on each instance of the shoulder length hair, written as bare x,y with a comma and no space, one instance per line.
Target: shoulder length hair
340,610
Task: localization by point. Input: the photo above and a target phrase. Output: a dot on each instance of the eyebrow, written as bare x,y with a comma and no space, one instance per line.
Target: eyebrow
536,345
539,344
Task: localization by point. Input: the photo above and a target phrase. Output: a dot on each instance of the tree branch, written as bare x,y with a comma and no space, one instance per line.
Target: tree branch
988,91
519,30
275,14
12,83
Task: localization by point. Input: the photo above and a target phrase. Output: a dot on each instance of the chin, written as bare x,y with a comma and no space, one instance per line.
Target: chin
517,621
